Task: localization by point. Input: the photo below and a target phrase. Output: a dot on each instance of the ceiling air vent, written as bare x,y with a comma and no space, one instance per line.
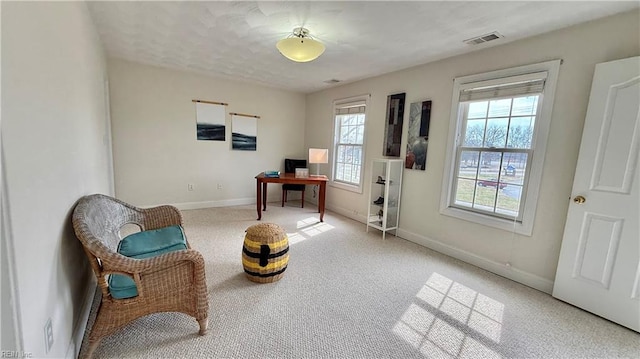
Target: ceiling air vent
332,81
484,38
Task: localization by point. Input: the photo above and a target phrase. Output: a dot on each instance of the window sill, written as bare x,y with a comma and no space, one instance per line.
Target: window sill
346,187
511,226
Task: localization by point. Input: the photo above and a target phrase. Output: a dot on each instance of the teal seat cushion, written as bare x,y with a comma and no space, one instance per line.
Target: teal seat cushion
142,245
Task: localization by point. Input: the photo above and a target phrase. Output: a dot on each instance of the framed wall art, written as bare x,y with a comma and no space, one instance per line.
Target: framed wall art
393,125
210,120
244,132
418,135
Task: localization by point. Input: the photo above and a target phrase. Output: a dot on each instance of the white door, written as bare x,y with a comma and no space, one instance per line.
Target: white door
599,265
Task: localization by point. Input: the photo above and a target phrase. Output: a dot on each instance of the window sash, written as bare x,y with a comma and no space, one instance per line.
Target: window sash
511,118
340,173
354,163
463,110
457,176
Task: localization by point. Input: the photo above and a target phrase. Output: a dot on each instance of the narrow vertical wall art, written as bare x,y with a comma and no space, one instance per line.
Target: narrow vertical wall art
244,130
418,135
393,126
210,120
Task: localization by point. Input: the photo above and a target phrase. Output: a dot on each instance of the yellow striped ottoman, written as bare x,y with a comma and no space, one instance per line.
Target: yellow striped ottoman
265,253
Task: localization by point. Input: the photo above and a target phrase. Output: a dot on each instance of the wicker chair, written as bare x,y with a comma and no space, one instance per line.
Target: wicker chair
170,282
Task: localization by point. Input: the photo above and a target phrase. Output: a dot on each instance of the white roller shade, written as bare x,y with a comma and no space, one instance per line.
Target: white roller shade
351,108
519,86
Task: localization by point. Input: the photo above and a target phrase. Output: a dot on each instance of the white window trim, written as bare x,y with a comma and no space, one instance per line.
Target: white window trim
539,144
341,185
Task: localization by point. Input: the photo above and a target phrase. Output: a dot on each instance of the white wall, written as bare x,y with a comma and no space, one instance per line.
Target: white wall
56,149
156,154
533,259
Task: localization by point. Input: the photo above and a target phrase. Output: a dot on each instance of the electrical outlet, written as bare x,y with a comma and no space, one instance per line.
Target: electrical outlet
219,185
48,335
190,187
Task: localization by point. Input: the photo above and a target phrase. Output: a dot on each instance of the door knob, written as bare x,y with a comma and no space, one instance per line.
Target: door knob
579,199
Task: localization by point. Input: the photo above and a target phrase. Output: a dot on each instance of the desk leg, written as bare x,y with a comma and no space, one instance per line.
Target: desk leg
323,190
264,196
259,198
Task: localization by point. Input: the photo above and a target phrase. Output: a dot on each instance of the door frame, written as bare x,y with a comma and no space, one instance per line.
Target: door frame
11,302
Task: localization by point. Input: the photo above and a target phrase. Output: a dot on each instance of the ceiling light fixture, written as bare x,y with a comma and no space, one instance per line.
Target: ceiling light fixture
300,47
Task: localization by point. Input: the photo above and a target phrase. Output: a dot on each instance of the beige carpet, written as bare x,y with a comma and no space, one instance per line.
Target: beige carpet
349,294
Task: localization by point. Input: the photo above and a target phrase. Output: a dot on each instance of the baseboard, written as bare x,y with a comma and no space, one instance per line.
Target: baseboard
73,350
348,213
520,276
500,269
209,204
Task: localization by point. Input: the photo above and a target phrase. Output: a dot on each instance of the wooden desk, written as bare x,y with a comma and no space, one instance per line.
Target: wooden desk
261,189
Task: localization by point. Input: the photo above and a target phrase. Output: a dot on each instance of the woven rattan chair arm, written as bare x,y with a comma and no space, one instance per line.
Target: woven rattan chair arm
120,263
161,216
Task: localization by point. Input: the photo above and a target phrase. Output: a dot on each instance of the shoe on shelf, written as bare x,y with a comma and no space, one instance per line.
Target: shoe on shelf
380,214
380,180
380,200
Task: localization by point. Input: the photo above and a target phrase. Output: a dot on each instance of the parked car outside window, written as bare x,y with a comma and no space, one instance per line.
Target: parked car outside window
491,183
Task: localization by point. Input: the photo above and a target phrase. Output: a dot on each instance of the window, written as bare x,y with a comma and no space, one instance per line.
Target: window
500,121
348,149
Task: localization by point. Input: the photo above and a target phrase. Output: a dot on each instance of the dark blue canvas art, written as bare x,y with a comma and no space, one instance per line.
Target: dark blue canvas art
210,122
244,133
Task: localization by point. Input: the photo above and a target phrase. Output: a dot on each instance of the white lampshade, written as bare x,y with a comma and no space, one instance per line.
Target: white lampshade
318,155
300,47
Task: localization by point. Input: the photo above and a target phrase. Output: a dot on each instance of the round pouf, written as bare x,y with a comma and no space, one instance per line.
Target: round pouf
265,253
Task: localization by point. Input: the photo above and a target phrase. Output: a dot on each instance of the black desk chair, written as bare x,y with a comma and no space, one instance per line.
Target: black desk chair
290,167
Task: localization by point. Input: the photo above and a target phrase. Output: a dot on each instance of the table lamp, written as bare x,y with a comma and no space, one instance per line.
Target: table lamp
318,156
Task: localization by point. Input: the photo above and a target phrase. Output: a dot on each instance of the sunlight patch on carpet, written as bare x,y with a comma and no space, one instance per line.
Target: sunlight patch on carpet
451,320
303,223
311,227
308,228
295,237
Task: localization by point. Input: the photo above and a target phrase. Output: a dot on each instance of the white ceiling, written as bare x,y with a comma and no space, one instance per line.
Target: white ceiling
236,39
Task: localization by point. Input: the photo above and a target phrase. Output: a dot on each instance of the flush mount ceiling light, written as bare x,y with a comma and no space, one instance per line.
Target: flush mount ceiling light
299,47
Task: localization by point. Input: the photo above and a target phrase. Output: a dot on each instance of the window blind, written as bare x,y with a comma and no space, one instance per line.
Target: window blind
351,108
520,85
